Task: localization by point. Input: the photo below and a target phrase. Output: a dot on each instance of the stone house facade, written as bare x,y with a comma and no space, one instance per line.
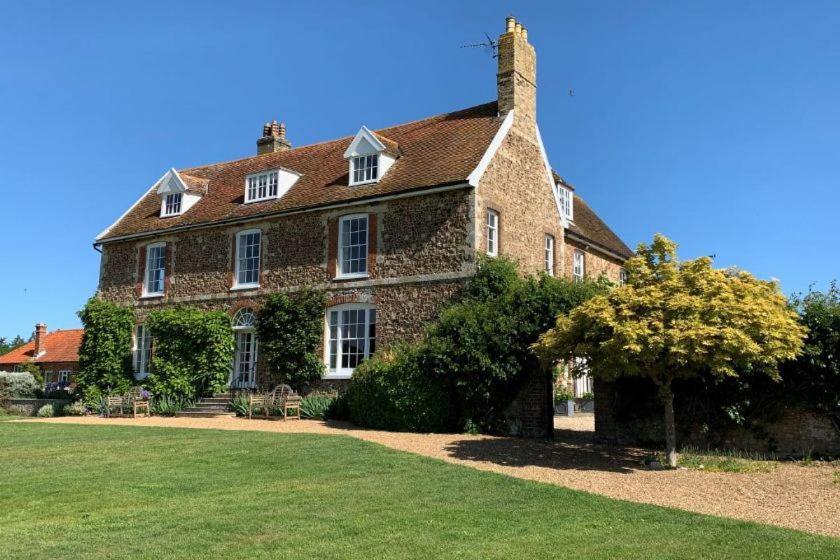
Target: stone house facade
56,354
389,223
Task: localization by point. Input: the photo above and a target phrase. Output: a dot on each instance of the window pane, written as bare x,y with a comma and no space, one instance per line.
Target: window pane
249,258
353,245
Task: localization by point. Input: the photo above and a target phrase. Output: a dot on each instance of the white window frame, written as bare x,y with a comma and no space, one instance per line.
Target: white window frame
492,230
334,338
237,285
262,186
579,265
64,376
339,257
244,325
147,272
566,201
549,254
367,167
172,204
622,276
142,352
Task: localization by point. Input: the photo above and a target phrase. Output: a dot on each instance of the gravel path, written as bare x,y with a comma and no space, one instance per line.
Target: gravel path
791,495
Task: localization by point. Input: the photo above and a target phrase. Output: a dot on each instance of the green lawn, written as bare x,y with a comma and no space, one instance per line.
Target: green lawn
119,492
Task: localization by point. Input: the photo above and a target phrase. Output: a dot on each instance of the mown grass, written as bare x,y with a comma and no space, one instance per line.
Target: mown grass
733,461
87,492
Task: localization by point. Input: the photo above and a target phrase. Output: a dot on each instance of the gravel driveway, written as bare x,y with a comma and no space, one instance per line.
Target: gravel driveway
792,495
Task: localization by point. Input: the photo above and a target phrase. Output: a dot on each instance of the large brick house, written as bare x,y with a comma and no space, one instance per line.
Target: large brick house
55,354
388,222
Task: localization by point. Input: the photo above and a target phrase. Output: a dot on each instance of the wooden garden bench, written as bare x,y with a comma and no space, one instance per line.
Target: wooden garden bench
259,400
138,402
112,403
286,400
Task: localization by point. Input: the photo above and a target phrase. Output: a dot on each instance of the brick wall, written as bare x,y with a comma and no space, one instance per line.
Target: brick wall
796,431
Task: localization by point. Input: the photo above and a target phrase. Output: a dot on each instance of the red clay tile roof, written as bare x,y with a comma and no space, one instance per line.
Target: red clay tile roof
60,346
435,151
588,225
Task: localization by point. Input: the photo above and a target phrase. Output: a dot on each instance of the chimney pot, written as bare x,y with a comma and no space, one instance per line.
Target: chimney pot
510,24
525,33
518,28
273,138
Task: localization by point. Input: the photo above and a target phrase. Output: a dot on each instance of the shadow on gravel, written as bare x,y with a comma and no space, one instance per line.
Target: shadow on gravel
570,450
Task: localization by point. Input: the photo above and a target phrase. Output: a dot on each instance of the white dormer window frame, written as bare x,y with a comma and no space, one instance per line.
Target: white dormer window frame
368,158
172,204
270,184
567,201
364,169
175,196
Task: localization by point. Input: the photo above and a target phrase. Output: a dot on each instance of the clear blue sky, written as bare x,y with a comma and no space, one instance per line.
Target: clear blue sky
716,123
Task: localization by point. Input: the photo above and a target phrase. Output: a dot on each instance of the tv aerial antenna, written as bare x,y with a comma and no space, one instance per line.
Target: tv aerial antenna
490,46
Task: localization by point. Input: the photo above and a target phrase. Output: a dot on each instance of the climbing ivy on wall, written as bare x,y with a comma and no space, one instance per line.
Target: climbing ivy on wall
192,352
290,330
105,353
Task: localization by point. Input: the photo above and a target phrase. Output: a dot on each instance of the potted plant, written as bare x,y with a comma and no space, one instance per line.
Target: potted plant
587,402
564,401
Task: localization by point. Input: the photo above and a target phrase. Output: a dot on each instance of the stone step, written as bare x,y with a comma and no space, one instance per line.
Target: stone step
209,408
213,400
204,414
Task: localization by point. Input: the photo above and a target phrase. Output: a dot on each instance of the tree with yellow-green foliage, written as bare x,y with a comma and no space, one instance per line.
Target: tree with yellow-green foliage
676,320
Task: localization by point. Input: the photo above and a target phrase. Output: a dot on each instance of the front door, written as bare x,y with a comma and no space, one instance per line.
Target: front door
245,360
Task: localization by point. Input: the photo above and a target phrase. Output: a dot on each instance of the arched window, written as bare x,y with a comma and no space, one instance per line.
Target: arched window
245,319
245,356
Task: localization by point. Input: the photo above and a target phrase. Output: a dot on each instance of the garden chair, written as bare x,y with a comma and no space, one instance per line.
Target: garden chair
112,403
138,401
259,400
286,400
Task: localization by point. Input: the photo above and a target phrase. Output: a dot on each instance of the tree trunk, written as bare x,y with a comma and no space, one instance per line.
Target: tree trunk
667,397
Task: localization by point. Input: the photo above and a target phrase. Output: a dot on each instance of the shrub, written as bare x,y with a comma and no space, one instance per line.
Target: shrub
390,391
105,353
339,409
473,360
77,408
18,384
46,411
315,405
168,406
193,352
290,331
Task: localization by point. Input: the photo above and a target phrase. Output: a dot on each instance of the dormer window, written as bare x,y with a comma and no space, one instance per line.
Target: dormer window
370,157
268,185
172,204
365,169
176,196
566,201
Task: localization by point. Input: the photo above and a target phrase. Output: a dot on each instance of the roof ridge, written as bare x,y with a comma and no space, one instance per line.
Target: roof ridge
186,170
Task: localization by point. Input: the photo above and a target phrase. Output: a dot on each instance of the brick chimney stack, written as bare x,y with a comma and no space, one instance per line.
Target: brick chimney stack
517,75
273,139
40,335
